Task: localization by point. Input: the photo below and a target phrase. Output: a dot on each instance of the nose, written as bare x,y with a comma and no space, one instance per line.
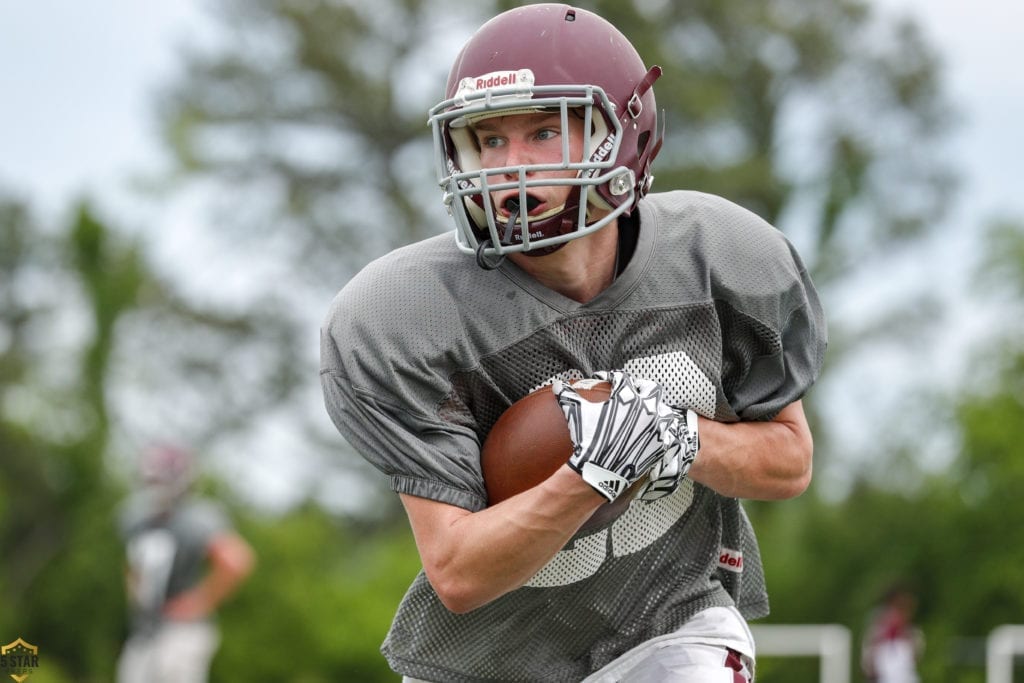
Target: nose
517,155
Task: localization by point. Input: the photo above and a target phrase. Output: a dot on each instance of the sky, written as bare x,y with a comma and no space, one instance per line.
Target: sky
76,86
78,81
981,47
983,54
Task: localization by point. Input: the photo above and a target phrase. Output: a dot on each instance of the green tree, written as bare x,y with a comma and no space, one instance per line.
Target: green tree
82,306
956,537
320,603
983,536
814,117
56,501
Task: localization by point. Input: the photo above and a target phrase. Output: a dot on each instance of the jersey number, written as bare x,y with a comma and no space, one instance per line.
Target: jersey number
637,528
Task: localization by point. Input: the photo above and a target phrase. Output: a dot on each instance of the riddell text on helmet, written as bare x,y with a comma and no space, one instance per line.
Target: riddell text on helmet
497,79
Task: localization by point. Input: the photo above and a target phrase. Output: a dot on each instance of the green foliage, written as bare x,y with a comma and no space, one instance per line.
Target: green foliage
317,95
780,104
320,603
60,578
959,541
1001,268
789,669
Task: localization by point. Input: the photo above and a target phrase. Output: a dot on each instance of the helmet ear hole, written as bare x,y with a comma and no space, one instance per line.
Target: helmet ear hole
641,142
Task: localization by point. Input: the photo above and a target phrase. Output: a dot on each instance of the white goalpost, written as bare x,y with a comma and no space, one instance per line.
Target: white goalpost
832,644
829,642
1001,647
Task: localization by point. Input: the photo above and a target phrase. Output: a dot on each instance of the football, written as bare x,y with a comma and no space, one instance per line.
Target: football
531,440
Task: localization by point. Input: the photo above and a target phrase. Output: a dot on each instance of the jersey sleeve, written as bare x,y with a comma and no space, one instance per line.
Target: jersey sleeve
421,457
774,333
383,391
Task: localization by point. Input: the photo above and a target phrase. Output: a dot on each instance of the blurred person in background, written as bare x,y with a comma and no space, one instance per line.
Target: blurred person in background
183,559
892,644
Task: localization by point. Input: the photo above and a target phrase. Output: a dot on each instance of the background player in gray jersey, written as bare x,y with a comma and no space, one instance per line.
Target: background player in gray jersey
183,560
564,267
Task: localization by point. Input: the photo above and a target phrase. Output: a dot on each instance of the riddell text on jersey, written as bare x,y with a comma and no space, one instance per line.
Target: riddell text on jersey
731,560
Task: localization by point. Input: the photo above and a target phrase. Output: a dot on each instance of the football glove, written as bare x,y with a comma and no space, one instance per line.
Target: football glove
680,453
616,442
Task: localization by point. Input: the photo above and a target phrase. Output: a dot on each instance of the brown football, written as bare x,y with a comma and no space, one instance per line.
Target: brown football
531,440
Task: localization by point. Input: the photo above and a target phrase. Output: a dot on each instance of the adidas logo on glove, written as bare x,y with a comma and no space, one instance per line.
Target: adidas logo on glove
607,483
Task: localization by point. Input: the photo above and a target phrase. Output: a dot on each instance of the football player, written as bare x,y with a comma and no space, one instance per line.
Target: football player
183,559
564,266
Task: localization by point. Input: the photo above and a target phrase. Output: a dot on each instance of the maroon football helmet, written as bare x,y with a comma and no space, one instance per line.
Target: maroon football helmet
550,58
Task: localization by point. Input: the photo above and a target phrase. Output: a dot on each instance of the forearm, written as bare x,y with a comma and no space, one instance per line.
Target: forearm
756,460
217,586
473,558
231,562
201,599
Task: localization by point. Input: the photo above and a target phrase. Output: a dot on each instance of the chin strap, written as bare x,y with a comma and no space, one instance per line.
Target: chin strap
559,224
510,225
481,259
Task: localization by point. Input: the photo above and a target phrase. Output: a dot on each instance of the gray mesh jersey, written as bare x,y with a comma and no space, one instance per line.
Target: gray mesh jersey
423,350
166,552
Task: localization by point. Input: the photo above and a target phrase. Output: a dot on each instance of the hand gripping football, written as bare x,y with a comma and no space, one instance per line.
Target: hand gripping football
531,440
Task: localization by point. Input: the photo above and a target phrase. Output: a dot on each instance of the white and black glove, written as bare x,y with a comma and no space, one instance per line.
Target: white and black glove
680,452
616,442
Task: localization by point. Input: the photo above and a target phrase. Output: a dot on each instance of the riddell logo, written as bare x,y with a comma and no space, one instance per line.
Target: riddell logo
731,560
535,235
605,149
601,154
511,84
496,80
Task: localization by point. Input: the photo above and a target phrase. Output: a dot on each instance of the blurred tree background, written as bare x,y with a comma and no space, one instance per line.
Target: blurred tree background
303,133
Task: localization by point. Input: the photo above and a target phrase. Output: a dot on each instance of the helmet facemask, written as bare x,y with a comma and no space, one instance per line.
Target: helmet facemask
480,228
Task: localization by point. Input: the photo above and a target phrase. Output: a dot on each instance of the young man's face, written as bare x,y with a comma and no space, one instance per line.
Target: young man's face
522,139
